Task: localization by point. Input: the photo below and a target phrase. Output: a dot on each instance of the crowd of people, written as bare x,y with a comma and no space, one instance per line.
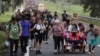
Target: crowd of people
38,26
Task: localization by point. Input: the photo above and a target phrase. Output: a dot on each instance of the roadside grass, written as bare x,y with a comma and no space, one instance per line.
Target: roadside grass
6,16
59,8
2,39
70,10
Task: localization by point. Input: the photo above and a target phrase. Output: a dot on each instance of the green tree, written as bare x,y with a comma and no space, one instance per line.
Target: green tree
10,4
92,6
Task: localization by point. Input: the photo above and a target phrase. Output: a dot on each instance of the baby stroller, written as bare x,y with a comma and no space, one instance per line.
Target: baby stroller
77,40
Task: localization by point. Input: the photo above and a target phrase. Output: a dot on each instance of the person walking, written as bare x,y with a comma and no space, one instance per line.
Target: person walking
39,31
49,17
65,35
57,33
47,28
64,16
32,32
53,20
14,31
25,34
92,38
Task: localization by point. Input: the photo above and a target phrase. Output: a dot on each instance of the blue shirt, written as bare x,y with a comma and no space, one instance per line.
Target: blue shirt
25,27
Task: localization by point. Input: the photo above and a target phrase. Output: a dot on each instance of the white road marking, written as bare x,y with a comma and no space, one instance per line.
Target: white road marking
27,54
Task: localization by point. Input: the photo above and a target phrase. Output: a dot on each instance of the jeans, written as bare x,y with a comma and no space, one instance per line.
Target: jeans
24,42
57,40
12,43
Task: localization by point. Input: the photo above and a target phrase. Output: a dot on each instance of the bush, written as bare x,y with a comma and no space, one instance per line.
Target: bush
3,26
2,39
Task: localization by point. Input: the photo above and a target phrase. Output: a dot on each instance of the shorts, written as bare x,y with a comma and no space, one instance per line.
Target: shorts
39,38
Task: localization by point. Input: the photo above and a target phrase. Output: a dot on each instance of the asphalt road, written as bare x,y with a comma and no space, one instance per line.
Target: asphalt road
48,50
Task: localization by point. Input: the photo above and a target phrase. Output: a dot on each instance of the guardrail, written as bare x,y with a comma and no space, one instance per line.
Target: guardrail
85,17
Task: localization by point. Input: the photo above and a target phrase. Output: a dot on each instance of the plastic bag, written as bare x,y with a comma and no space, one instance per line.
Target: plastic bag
7,44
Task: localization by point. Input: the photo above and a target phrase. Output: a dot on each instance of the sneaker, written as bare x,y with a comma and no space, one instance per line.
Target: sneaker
46,42
89,53
92,51
55,52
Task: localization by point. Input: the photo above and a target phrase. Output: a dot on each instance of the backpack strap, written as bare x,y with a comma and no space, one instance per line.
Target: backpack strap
9,26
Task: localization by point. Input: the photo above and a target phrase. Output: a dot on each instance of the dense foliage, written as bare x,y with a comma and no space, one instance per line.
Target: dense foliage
7,4
92,6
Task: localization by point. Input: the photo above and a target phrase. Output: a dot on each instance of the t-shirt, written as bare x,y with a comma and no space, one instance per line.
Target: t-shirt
69,27
31,26
64,17
52,21
49,17
14,30
73,28
39,28
57,30
25,27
